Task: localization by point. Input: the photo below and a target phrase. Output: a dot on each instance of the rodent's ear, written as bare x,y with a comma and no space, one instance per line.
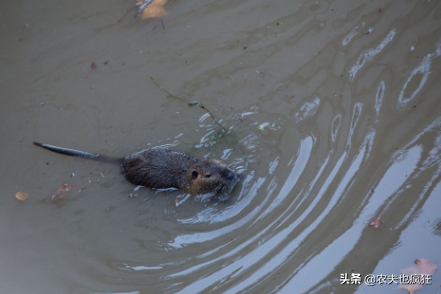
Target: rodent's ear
194,174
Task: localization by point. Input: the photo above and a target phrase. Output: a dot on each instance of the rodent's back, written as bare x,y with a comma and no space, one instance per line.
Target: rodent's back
158,168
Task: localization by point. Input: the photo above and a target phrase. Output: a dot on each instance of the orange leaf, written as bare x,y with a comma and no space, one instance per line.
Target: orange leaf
154,9
61,192
376,223
22,196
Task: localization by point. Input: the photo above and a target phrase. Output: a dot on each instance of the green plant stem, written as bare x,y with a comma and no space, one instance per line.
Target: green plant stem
213,117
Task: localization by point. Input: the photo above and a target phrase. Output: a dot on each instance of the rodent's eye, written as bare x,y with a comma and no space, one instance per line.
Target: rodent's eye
194,175
207,176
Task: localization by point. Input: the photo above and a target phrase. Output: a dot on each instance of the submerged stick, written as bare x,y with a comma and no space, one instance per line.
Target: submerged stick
190,103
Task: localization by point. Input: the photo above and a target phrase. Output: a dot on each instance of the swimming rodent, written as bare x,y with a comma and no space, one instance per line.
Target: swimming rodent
161,168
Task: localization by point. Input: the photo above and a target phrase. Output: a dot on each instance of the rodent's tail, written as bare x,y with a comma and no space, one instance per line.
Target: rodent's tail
78,153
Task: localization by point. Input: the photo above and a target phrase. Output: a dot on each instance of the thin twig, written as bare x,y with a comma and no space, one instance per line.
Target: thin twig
165,90
191,103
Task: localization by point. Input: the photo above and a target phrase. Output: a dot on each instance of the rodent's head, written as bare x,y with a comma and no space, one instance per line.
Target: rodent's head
211,176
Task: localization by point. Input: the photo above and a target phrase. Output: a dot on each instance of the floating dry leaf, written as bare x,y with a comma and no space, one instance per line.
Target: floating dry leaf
154,9
376,223
422,266
22,196
61,192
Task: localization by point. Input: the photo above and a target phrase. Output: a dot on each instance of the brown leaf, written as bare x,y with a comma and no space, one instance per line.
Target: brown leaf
61,192
154,9
376,223
93,65
22,196
422,267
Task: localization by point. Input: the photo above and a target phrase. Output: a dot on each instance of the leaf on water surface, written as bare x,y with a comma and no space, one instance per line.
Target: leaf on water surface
376,223
22,196
154,9
93,65
193,103
61,192
422,266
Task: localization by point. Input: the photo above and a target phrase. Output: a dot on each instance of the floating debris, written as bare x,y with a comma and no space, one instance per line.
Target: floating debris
262,126
61,192
369,31
151,8
22,196
376,223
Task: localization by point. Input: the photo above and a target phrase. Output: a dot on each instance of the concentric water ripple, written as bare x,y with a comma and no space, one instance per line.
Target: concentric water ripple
315,178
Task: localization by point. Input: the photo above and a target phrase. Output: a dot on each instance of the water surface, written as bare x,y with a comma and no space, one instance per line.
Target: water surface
334,118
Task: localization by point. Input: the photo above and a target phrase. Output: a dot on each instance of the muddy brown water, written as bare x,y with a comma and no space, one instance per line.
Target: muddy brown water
335,118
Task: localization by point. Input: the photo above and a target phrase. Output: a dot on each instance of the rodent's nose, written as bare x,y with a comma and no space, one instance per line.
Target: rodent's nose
231,175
